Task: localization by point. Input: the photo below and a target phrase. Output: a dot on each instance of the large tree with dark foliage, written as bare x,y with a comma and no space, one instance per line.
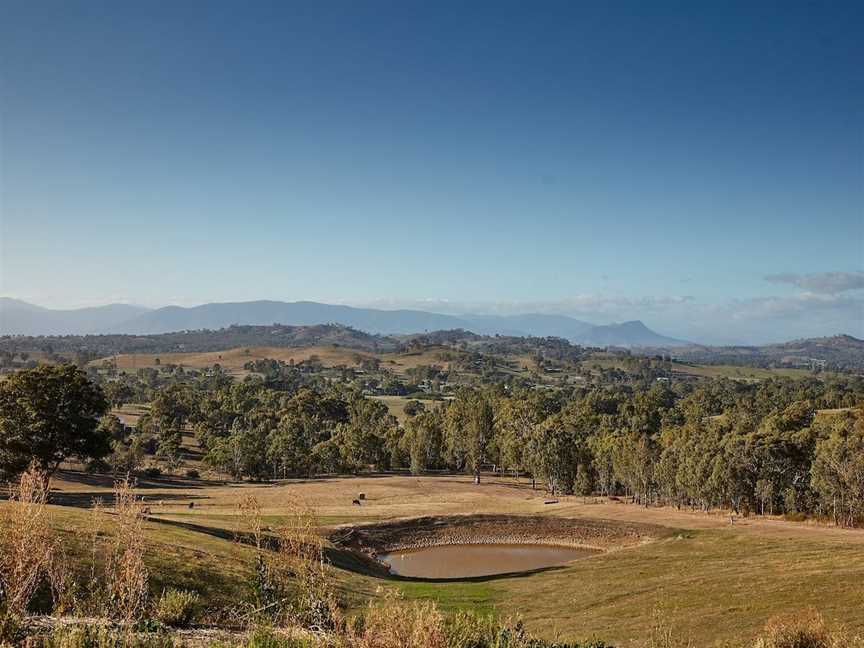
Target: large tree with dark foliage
49,414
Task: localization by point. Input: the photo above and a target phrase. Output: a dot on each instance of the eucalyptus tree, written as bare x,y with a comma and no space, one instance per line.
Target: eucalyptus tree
516,418
838,469
423,440
469,430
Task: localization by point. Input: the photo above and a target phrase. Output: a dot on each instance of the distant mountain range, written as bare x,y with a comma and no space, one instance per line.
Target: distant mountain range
20,318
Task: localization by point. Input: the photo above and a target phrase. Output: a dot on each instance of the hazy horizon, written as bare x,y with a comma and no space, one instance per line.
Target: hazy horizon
684,331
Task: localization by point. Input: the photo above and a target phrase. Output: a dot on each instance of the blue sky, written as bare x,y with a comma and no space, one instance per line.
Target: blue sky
696,165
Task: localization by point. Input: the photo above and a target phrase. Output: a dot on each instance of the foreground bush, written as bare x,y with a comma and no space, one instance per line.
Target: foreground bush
807,630
177,608
395,623
398,624
291,584
27,548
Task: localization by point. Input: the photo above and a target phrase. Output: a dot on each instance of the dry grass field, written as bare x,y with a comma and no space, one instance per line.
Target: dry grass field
741,373
395,405
713,580
233,360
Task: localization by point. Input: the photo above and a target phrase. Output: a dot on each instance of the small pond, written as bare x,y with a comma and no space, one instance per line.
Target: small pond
468,561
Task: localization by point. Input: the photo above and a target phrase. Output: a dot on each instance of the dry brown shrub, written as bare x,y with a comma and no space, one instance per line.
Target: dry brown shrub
249,521
126,576
805,630
27,543
300,557
298,537
291,583
395,623
64,587
87,595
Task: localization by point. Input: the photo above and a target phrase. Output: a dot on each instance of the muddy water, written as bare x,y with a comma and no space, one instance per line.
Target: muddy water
466,561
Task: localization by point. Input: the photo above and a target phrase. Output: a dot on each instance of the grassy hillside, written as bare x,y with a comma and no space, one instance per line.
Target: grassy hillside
713,580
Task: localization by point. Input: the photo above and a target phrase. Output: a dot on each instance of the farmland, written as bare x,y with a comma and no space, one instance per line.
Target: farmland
712,580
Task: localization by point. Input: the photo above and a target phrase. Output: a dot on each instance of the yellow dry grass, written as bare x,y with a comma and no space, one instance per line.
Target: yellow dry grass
234,359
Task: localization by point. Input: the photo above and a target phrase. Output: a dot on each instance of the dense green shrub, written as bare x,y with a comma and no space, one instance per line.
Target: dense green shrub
177,608
268,638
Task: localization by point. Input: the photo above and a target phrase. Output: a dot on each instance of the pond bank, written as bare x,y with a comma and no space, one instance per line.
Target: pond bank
431,531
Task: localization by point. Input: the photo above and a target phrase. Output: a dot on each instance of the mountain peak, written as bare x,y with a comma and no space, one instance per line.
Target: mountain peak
634,325
633,333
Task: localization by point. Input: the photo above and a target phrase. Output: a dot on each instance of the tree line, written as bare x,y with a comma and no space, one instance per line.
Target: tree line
753,448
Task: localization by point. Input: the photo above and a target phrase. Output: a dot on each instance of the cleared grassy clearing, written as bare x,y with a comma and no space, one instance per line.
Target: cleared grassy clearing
739,373
714,580
395,405
234,359
428,356
683,369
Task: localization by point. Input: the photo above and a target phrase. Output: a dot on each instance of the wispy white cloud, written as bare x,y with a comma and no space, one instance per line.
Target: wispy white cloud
769,319
829,283
802,304
586,305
